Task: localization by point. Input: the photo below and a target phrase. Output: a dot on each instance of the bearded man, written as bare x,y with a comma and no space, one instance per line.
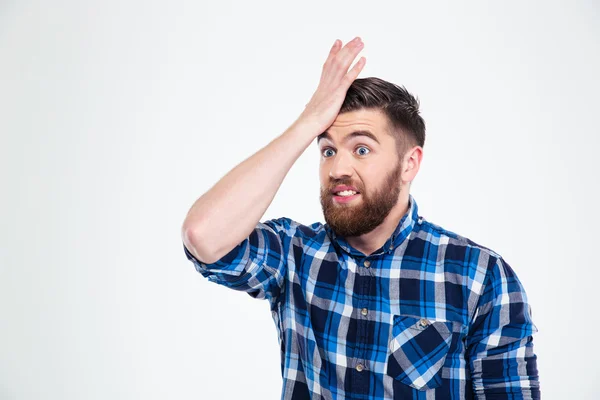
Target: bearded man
378,302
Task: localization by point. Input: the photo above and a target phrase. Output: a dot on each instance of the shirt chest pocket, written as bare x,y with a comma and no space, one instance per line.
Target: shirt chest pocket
418,350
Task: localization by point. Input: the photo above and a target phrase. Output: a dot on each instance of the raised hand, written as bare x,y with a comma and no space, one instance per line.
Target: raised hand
325,104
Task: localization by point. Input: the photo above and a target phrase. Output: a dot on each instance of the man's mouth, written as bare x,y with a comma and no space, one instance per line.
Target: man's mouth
345,193
345,196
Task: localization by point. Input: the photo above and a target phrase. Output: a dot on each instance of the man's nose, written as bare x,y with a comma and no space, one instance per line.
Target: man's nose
341,167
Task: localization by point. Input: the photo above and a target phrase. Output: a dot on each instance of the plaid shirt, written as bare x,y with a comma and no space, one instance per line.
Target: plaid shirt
430,315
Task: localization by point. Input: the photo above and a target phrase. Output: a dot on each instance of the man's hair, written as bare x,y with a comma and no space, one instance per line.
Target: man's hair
401,108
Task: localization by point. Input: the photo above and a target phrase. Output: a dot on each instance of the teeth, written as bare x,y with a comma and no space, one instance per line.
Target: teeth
346,193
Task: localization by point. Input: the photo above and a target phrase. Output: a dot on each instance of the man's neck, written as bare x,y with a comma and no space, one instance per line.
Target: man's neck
370,242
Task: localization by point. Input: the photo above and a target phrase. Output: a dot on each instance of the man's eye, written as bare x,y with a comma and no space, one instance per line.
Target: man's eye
328,152
364,152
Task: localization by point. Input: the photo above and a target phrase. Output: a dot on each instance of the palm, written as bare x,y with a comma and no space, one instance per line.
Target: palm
327,100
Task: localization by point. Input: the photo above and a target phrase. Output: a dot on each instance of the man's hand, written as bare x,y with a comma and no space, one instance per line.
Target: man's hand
325,104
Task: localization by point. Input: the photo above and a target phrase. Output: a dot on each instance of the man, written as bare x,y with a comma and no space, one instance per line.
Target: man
378,303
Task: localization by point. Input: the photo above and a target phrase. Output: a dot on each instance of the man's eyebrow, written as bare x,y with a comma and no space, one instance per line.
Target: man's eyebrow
326,135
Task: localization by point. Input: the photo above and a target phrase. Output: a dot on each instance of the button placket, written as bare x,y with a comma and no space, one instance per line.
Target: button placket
363,282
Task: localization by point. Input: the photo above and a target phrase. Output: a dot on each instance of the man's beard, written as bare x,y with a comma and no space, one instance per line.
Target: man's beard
357,219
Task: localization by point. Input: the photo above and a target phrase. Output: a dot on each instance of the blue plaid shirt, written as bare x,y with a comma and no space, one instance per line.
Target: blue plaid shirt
429,315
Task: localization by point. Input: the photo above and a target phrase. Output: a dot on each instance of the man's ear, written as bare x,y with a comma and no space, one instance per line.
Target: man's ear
412,163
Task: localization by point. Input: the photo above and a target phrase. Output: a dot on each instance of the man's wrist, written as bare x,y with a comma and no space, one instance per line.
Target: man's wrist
307,126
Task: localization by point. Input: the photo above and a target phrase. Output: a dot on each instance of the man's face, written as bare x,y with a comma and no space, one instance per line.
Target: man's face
369,166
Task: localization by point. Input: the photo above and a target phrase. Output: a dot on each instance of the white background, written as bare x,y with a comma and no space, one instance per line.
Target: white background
116,115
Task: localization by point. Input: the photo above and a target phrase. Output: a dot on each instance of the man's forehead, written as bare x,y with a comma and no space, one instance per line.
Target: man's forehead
364,117
373,121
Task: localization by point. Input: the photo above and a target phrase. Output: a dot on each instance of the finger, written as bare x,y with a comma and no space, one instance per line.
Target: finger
346,56
348,48
353,73
334,50
337,64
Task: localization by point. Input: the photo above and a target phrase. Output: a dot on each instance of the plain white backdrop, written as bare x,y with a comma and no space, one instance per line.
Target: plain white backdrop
116,115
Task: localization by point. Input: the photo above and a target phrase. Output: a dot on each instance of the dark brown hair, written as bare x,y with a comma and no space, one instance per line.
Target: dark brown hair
401,108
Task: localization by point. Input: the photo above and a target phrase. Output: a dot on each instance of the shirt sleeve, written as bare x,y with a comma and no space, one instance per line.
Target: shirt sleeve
500,344
257,265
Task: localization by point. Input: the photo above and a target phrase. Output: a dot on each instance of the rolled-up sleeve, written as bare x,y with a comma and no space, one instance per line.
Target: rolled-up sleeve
258,264
500,343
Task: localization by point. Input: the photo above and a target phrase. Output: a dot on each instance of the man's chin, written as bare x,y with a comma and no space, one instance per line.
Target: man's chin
346,232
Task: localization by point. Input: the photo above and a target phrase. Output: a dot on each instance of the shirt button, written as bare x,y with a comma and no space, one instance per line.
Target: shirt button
367,264
364,311
423,322
359,367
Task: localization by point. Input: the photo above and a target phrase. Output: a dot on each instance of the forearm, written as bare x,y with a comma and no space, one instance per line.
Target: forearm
227,213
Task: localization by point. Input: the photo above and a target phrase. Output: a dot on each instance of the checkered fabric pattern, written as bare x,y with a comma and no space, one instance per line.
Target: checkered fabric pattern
429,315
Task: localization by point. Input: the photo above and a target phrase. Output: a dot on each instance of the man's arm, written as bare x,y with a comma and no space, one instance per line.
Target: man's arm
500,344
226,214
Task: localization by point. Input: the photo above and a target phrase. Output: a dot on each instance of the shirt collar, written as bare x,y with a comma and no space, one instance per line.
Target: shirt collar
402,231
